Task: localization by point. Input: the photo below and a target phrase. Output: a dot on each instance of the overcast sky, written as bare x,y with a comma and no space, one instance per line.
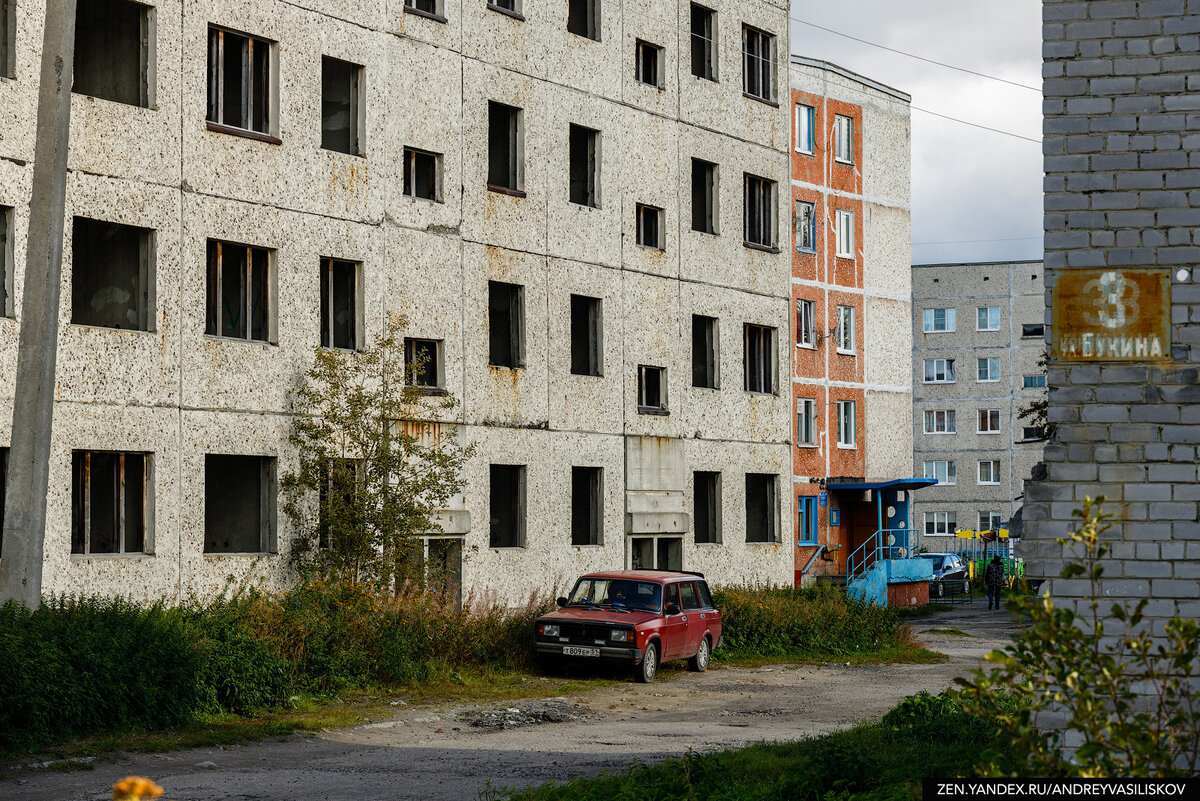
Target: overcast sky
967,183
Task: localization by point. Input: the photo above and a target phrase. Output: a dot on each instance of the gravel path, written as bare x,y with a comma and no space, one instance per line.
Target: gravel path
456,752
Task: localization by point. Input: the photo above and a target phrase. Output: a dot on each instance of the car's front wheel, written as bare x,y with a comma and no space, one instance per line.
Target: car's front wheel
699,662
649,666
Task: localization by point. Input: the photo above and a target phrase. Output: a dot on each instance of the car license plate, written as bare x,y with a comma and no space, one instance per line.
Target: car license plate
574,650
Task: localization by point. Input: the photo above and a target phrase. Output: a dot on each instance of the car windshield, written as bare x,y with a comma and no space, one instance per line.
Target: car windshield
623,593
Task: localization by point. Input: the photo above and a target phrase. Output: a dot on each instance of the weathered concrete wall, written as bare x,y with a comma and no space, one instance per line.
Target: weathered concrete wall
1016,290
1119,143
178,394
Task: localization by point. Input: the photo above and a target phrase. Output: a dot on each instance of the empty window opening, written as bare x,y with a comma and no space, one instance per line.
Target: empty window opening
649,64
442,563
423,360
708,506
806,227
1033,330
6,261
584,147
341,101
1033,433
506,324
759,357
239,291
338,498
806,323
704,352
845,329
649,226
583,18
760,211
510,7
806,117
586,494
423,174
504,147
704,42
847,424
652,389
431,8
112,50
657,553
845,234
8,30
704,196
112,280
806,421
108,502
240,78
586,350
843,139
339,304
507,505
762,508
239,503
758,59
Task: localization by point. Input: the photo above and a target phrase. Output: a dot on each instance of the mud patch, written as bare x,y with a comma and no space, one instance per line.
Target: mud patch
529,714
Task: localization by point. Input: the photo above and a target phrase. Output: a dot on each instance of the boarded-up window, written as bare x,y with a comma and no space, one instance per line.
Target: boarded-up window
704,351
108,502
504,147
506,324
507,505
239,503
708,506
586,492
586,350
239,291
762,507
112,46
339,304
341,99
112,283
240,75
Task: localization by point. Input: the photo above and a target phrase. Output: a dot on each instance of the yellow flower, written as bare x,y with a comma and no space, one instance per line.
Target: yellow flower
135,788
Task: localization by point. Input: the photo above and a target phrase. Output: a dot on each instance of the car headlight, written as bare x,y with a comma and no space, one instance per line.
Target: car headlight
548,630
622,635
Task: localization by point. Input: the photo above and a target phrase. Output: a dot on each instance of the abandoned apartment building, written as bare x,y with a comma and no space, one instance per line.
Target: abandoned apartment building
580,207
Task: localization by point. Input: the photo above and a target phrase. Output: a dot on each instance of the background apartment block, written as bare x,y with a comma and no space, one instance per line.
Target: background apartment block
851,305
978,337
553,194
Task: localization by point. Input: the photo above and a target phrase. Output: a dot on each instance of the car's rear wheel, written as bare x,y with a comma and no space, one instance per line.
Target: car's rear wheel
649,667
699,662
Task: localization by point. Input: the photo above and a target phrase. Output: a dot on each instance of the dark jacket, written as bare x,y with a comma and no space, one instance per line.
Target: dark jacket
994,577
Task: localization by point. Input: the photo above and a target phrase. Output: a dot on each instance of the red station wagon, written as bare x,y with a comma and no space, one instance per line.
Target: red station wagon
635,617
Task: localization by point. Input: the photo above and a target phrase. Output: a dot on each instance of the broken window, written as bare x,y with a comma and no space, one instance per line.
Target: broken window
239,291
843,139
112,46
423,358
341,97
806,324
423,174
708,506
652,389
759,357
847,424
507,504
108,502
758,57
240,75
704,351
704,196
583,18
112,281
6,259
431,8
504,147
649,64
239,503
649,226
586,494
762,508
704,42
506,324
760,211
806,226
7,30
584,148
586,352
339,304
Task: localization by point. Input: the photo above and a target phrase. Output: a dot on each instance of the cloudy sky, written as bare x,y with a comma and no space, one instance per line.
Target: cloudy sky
976,195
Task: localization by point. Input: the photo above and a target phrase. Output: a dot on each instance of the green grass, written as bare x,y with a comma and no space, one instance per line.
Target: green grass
909,612
925,737
951,631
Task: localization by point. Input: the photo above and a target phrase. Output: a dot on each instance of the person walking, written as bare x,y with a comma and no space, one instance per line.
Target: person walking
994,579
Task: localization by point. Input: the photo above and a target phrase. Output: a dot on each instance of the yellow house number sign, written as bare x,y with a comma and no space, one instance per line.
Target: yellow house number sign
1111,315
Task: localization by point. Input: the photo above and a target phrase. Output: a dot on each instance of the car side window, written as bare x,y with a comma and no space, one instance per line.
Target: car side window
687,591
705,597
672,596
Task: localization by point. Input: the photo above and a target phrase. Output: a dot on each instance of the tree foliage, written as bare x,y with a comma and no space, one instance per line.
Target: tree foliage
1128,696
374,467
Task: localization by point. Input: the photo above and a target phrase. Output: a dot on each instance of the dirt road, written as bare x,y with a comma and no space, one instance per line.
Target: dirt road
436,754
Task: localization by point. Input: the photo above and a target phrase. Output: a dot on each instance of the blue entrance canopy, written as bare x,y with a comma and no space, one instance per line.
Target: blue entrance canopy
895,483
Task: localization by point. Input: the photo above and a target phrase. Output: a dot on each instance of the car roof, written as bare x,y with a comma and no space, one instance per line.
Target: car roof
645,575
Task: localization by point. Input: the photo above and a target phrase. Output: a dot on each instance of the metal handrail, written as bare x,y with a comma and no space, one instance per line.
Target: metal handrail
877,548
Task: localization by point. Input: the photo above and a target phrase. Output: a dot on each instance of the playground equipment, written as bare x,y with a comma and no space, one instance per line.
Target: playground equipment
978,547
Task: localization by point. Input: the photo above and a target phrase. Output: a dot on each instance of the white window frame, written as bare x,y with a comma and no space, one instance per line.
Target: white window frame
806,422
845,330
845,234
990,414
843,139
983,370
949,321
806,221
1033,382
944,470
948,523
847,424
806,324
949,421
986,519
806,118
987,312
993,469
946,372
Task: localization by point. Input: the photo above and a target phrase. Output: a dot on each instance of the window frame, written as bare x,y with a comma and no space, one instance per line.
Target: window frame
709,174
328,308
591,15
357,116
806,423
216,82
214,322
643,212
949,376
843,139
991,413
589,532
709,44
585,192
757,61
1033,381
771,485
267,494
949,471
520,477
409,182
438,14
844,336
844,228
990,517
948,522
413,377
806,521
8,36
515,155
516,325
146,38
641,50
987,312
949,320
806,221
759,365
1033,330
706,339
146,302
993,470
645,408
509,8
847,423
806,323
806,144
587,359
714,513
759,197
949,420
82,512
983,369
